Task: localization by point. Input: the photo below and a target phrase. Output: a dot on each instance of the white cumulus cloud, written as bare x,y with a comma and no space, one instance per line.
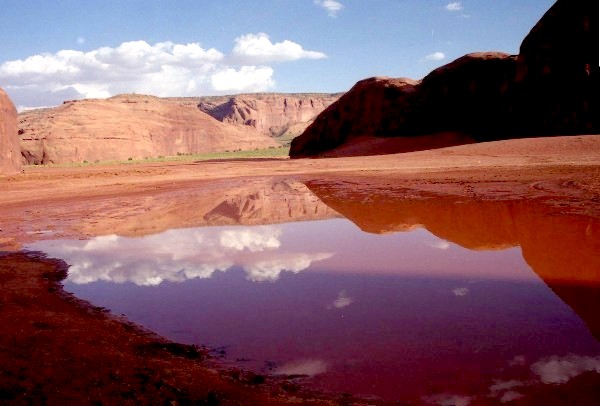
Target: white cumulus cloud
246,79
258,49
454,6
160,69
436,56
333,7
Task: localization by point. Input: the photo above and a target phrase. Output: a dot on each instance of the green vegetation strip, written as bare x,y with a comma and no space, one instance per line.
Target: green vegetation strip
280,152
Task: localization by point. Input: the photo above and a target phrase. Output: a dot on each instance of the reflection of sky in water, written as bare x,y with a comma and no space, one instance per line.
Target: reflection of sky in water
401,314
179,255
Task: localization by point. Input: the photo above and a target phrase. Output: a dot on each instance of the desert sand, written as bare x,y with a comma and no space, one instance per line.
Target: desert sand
56,339
519,164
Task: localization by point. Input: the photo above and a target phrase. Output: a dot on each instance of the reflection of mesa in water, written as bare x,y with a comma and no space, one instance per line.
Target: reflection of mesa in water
563,249
249,201
559,247
216,203
179,255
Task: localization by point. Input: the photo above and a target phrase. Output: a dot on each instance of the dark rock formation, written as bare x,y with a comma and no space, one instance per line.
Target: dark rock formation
469,94
372,107
550,88
556,82
10,152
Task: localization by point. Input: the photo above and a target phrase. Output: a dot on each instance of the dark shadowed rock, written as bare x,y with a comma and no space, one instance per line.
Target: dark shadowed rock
557,71
469,94
373,106
550,88
10,152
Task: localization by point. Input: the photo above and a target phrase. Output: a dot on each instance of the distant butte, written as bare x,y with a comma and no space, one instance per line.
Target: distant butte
278,115
550,88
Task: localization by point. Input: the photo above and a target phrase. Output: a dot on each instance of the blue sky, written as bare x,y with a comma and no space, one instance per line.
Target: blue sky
52,50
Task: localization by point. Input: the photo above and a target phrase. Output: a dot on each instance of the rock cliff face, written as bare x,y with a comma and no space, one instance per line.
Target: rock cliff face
272,114
10,156
550,88
127,126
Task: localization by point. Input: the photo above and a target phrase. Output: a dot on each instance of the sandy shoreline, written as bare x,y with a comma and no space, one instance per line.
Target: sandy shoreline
562,173
34,202
543,156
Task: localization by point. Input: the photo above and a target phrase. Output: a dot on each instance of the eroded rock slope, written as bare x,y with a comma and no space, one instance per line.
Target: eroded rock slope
127,126
273,114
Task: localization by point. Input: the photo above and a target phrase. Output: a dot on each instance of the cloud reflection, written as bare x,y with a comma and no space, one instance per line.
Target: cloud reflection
342,300
179,255
269,269
309,367
440,244
448,400
505,390
460,291
557,369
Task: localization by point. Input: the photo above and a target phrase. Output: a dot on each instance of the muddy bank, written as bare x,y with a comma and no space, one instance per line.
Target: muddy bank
57,349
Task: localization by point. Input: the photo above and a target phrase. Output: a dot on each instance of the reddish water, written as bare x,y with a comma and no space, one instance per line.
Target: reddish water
402,315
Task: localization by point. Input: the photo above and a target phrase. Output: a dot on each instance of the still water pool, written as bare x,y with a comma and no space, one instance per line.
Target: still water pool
399,313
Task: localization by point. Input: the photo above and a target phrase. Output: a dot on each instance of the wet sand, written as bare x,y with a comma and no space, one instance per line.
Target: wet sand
58,349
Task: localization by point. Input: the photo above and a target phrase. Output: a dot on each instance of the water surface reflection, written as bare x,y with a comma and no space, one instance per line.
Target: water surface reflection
179,255
444,300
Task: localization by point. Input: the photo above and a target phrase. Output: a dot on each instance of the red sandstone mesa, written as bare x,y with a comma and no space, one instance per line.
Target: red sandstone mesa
273,114
127,126
10,152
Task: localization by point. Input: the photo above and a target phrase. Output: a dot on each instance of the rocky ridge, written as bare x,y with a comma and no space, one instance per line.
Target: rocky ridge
550,88
10,158
273,114
127,126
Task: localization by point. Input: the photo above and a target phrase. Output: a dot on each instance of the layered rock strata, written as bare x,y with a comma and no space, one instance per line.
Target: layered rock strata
127,126
273,114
